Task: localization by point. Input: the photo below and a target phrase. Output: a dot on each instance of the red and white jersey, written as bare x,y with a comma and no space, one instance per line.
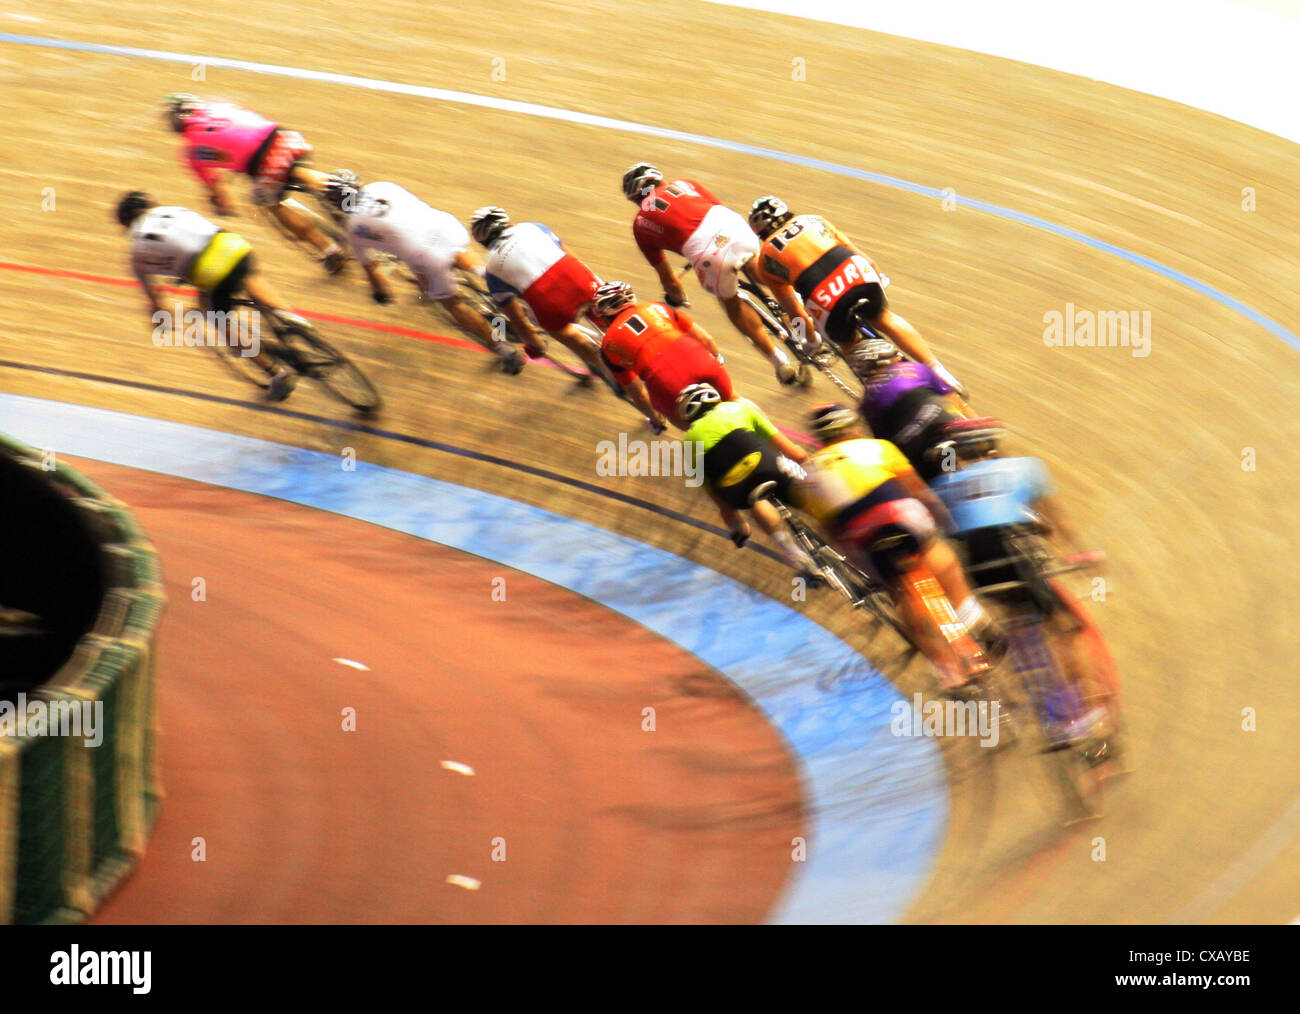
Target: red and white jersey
670,215
523,254
165,240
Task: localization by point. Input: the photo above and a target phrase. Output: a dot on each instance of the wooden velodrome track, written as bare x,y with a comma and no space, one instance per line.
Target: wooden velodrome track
1146,451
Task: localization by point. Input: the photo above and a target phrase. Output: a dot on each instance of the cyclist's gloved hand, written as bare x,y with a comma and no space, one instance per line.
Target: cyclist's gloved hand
382,298
676,303
943,374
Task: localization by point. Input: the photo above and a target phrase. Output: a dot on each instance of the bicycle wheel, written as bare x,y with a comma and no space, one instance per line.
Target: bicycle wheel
1054,700
314,357
242,366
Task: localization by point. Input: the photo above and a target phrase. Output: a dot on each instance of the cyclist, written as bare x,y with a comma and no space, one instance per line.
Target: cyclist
384,218
741,450
990,498
174,241
683,217
529,265
222,137
871,502
819,277
906,403
660,345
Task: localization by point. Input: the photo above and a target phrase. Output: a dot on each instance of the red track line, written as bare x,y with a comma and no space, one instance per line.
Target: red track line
329,318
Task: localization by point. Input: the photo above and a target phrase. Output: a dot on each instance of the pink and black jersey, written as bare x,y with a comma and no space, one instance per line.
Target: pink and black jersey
223,136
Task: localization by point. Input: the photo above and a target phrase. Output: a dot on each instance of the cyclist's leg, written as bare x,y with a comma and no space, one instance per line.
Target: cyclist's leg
467,261
902,334
312,179
246,279
492,339
943,563
269,186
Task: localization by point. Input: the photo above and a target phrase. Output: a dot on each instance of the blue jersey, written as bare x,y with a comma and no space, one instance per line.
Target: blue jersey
997,491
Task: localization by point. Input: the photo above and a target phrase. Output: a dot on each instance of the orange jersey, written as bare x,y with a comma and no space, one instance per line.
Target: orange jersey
638,335
797,246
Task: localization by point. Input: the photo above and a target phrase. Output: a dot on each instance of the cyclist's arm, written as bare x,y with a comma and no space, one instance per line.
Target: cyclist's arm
533,342
793,306
219,192
1057,526
672,285
788,447
152,292
380,288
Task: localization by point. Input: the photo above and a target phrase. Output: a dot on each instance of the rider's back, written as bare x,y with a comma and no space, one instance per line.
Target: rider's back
221,135
729,416
164,240
393,218
841,474
992,493
797,246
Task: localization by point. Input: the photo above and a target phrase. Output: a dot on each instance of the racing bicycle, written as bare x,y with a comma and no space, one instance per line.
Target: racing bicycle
826,359
1063,672
959,661
295,343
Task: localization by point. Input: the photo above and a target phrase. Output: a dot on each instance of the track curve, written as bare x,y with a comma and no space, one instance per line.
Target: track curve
1148,452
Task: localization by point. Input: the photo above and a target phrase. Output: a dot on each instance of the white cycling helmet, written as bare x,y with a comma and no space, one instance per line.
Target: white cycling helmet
612,297
696,400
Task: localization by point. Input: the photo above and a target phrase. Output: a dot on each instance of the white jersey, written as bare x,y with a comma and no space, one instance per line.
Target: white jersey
391,220
165,241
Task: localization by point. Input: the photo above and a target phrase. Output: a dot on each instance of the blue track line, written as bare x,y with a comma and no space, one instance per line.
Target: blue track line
649,130
877,803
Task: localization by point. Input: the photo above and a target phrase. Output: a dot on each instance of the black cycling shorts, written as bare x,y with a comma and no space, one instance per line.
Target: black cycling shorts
914,424
841,327
741,462
231,285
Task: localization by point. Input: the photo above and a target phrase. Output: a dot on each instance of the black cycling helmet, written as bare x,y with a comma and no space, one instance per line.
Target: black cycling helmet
487,224
767,214
178,108
132,206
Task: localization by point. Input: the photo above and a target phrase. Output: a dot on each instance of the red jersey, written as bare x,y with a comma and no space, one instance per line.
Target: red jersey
639,334
654,342
670,214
